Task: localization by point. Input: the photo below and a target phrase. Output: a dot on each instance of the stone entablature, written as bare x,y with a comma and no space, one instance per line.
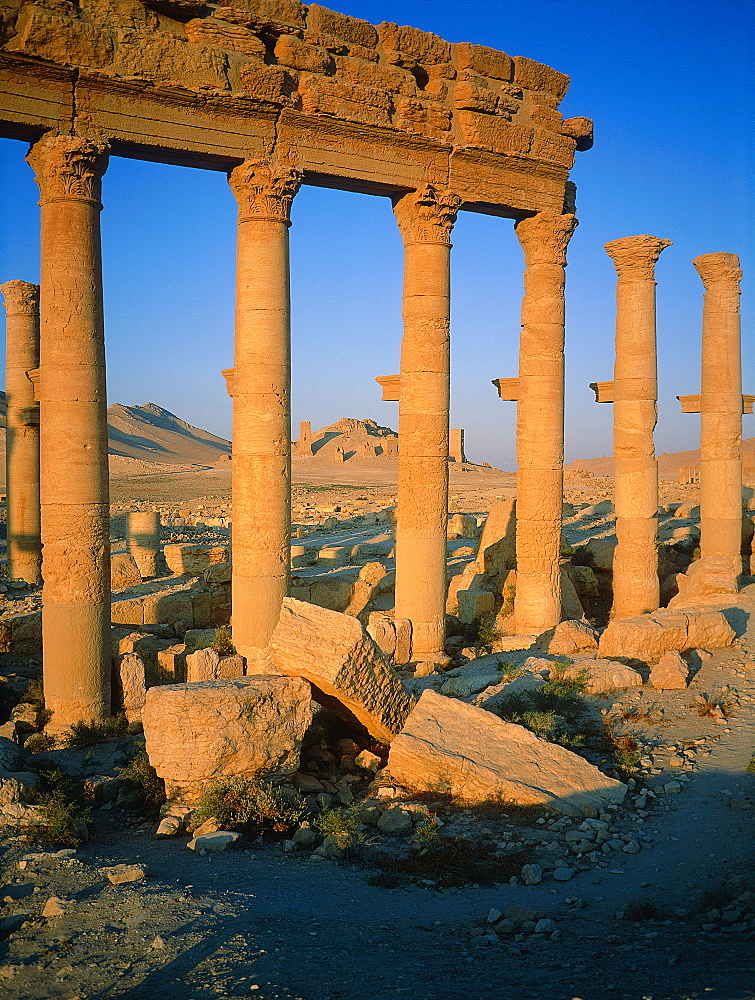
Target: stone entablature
250,76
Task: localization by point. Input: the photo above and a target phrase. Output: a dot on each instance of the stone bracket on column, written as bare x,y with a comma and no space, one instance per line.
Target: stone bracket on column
508,388
227,374
691,404
33,374
391,386
604,392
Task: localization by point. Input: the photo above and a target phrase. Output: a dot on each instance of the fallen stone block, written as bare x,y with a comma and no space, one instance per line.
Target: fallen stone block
648,637
123,571
199,732
606,675
220,840
131,686
119,874
705,577
474,604
349,674
568,637
449,746
670,673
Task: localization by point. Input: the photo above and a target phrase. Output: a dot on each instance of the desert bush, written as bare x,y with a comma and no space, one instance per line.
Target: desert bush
62,810
140,774
249,804
223,642
39,742
343,824
88,734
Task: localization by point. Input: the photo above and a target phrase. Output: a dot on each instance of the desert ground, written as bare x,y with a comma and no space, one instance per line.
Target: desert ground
666,912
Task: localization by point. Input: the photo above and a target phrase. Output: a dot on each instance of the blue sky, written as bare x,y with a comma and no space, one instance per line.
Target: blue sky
670,87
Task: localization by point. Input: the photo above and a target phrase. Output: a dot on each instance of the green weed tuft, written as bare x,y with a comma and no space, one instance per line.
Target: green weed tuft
88,734
249,804
63,816
140,775
223,642
343,824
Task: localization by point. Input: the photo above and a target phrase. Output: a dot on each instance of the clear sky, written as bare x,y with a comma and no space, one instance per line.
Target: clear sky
671,89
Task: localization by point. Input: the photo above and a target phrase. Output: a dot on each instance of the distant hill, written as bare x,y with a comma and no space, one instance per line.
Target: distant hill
151,434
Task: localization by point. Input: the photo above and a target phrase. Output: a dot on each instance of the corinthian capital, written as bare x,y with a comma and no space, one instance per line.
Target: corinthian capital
427,215
21,298
544,237
719,269
265,189
68,167
634,257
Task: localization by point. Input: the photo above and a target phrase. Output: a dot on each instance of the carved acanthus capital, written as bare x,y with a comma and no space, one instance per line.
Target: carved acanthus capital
21,298
265,189
427,215
544,237
68,167
634,257
719,269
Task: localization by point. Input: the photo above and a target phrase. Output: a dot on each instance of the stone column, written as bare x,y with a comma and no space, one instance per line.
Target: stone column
540,422
721,411
635,561
143,540
425,218
73,440
261,481
22,433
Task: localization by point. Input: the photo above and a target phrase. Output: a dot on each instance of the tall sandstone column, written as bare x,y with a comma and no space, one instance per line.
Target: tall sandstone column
721,411
540,422
22,434
425,218
261,480
73,439
635,561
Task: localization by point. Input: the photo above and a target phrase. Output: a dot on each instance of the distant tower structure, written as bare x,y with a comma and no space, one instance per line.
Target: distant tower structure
305,438
456,445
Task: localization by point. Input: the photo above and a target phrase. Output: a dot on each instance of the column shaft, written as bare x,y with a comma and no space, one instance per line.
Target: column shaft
261,479
635,562
73,439
721,410
22,432
540,422
425,218
143,540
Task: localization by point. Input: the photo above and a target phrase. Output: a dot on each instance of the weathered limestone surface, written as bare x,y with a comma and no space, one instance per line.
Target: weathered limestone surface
350,674
73,440
261,478
670,673
123,571
449,746
371,105
648,637
196,733
720,411
425,218
22,431
540,421
635,575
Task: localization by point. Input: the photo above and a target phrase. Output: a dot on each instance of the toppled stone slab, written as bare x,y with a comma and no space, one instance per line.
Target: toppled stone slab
349,674
217,841
670,673
119,874
568,637
606,675
207,730
706,576
449,746
648,637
